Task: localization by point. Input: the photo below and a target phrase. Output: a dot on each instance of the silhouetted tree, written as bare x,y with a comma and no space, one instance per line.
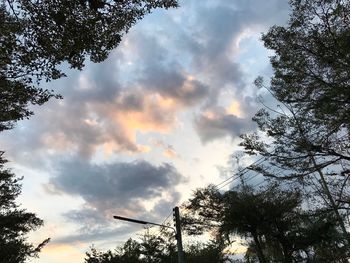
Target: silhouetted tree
306,138
292,153
158,249
272,220
212,251
151,248
312,60
15,222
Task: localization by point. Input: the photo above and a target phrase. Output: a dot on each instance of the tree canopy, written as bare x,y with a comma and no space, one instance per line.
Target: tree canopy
306,139
311,83
158,249
271,220
312,60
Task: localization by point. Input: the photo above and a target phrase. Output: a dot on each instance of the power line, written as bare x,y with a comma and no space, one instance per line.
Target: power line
238,174
163,223
170,214
247,180
242,171
233,180
251,178
259,183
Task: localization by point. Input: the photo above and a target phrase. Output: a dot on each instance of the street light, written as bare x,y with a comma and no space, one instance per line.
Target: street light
177,231
141,222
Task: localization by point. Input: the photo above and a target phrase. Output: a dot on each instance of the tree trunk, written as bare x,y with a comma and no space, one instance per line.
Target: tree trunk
323,180
330,197
259,251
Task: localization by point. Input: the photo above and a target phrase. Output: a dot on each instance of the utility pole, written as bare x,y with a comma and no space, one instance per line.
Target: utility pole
177,221
177,230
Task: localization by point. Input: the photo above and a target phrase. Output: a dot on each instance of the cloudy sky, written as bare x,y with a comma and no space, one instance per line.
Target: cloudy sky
135,135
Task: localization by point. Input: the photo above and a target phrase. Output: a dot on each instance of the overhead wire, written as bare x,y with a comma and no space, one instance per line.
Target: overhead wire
164,223
246,180
239,174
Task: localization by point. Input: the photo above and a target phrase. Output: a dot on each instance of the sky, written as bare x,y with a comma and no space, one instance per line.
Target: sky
137,134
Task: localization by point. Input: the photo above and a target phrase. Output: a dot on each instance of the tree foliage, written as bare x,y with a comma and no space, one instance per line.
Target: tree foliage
312,60
311,82
307,137
212,251
38,37
15,222
157,249
271,220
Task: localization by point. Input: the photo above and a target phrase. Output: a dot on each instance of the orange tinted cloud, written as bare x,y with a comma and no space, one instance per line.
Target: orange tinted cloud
170,153
153,114
57,141
157,114
168,149
235,109
113,125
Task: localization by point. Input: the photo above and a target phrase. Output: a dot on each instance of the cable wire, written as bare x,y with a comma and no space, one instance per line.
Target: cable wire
238,174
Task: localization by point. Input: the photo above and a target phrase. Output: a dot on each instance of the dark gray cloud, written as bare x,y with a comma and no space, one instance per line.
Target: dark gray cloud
170,82
218,28
160,72
118,185
115,189
217,123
